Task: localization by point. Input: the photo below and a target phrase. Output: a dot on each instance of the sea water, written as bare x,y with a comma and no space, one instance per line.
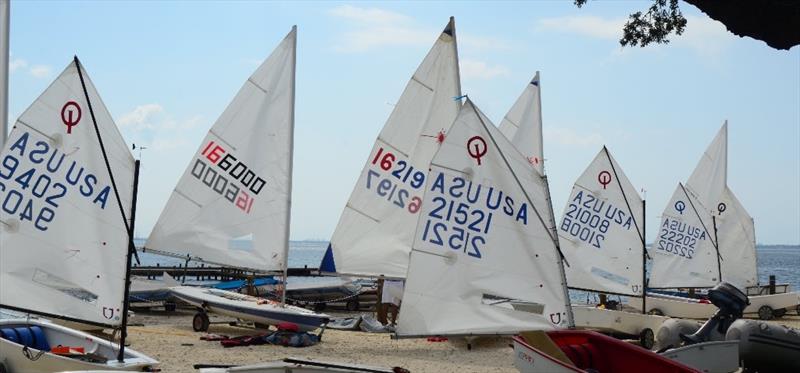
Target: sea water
783,261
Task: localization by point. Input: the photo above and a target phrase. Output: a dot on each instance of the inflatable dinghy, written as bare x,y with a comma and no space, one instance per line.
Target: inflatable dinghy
766,347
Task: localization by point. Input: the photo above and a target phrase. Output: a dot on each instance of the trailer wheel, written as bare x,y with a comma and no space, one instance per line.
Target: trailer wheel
3,368
647,338
200,322
352,305
656,311
779,313
765,313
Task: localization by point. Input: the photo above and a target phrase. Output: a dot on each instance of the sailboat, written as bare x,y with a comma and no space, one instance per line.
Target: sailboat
602,237
67,190
483,257
374,235
522,125
705,237
237,188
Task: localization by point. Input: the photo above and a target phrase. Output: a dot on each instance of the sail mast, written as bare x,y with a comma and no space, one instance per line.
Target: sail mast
559,255
119,203
129,260
644,256
636,225
291,161
5,20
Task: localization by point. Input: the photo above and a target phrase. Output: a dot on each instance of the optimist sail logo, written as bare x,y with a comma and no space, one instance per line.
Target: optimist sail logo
70,115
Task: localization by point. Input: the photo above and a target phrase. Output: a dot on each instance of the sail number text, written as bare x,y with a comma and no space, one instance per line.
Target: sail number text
589,218
393,184
34,178
679,238
235,170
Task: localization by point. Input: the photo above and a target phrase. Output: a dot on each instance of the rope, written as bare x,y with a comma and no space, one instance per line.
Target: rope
28,354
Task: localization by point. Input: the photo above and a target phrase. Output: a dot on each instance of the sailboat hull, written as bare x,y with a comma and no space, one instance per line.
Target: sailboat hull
688,308
616,322
11,352
248,308
589,351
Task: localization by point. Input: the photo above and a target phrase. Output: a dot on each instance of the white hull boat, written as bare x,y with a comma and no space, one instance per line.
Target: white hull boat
687,308
602,320
245,307
719,356
40,336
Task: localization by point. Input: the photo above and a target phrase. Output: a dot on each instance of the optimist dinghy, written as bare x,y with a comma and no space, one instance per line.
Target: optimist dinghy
231,207
706,236
586,351
245,307
67,189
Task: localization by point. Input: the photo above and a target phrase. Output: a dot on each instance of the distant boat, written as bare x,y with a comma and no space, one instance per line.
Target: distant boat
705,237
67,190
238,188
374,235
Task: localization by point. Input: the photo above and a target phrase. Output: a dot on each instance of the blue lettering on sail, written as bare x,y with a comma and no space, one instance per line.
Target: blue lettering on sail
34,178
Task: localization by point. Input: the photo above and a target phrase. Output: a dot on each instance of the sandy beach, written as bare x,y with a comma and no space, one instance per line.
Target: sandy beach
169,338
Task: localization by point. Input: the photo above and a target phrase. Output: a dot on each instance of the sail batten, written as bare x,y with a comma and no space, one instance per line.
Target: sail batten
63,243
232,204
374,234
481,257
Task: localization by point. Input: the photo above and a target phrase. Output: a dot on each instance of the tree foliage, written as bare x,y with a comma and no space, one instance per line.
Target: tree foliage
653,26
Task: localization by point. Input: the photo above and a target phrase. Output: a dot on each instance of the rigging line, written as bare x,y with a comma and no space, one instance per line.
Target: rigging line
131,245
561,258
525,192
689,198
624,196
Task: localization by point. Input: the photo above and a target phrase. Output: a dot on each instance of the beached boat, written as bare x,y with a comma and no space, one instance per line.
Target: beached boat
586,351
603,240
706,237
231,207
68,187
374,235
245,307
483,256
56,348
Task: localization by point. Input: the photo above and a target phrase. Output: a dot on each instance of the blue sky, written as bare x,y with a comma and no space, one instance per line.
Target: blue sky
166,70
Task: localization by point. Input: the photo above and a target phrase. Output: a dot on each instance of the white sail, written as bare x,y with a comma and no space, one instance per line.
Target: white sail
375,232
483,260
523,124
231,206
737,242
710,176
684,252
63,241
601,233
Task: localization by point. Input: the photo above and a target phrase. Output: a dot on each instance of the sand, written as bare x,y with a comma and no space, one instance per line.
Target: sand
168,337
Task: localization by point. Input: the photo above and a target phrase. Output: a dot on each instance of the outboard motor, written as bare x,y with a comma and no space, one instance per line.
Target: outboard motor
731,303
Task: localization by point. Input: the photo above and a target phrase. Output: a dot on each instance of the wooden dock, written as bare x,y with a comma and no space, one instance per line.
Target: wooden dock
206,273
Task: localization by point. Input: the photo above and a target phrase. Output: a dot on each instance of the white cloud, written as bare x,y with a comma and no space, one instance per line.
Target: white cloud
37,71
369,15
151,126
591,26
40,71
568,136
141,118
473,69
17,63
375,27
